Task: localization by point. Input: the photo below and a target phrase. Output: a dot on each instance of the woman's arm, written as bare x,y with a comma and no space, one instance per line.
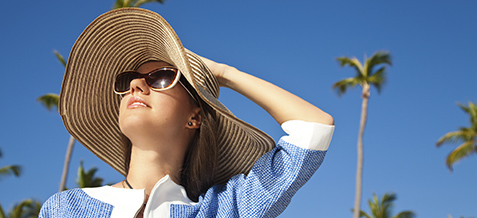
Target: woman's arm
279,103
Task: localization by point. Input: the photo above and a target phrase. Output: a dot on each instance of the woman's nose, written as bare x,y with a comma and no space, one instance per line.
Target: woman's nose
139,85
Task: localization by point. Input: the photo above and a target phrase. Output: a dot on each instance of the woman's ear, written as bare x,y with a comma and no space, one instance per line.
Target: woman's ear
195,120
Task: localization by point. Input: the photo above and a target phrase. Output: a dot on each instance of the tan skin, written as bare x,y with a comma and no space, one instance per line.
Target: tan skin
157,125
161,127
279,103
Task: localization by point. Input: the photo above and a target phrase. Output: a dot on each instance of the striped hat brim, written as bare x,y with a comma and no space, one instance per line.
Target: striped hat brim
121,40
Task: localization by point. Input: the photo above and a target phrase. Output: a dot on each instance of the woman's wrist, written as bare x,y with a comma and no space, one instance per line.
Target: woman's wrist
219,70
226,74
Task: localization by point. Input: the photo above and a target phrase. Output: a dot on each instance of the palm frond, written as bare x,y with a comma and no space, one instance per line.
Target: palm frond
467,109
81,176
388,198
378,78
141,2
97,182
405,214
352,62
120,4
472,111
34,210
2,213
380,57
382,208
10,170
364,214
365,73
123,3
60,58
31,209
342,85
374,205
88,179
91,180
133,3
49,100
464,150
387,204
28,208
117,4
464,134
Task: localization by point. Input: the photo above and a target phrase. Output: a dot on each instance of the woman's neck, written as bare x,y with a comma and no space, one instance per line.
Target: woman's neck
148,166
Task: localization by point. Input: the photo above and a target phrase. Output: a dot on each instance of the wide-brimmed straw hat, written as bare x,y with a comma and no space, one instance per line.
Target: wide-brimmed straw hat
122,40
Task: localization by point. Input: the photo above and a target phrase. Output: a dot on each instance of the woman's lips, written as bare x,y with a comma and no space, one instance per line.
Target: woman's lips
136,102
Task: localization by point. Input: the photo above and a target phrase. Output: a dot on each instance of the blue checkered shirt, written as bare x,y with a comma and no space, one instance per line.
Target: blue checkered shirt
264,192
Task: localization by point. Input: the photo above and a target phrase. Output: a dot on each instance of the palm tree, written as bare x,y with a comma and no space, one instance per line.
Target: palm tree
87,179
10,170
50,101
366,77
26,209
133,3
383,208
465,135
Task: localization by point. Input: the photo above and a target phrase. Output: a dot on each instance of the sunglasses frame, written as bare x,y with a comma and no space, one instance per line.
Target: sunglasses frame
146,77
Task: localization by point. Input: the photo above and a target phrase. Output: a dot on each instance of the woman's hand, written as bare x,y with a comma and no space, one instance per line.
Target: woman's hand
279,103
217,69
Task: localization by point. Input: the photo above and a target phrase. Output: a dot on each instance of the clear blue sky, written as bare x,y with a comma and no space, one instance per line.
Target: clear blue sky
293,44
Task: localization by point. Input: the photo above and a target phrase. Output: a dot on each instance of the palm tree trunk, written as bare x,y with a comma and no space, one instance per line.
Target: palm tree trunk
66,165
359,165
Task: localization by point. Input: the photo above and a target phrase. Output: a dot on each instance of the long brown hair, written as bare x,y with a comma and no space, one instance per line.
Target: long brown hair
200,160
199,167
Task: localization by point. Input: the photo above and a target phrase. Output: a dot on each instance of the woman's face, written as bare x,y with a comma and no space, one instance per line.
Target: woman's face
161,113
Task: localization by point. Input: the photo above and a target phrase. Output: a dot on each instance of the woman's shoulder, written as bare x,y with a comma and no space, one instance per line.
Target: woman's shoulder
67,194
70,196
73,201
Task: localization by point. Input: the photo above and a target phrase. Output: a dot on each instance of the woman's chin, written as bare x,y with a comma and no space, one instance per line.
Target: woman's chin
135,124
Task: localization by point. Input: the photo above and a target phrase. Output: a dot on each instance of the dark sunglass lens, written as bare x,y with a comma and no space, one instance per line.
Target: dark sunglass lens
123,81
162,79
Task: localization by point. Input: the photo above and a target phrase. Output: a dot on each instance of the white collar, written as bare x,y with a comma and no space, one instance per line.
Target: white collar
127,202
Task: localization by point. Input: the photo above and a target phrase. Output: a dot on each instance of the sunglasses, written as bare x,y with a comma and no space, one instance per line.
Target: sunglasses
158,80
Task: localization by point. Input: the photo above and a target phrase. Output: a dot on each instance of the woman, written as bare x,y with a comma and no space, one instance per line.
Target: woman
183,153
